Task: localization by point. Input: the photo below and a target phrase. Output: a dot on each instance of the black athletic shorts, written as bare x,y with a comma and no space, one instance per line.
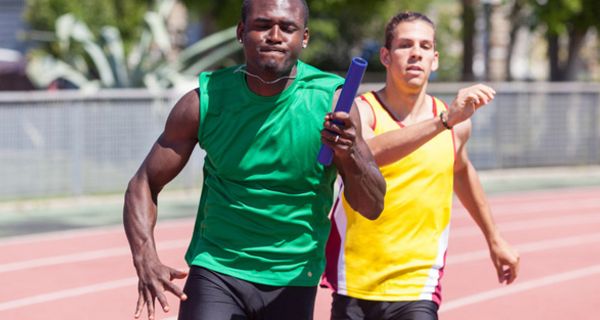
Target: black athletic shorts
215,296
346,308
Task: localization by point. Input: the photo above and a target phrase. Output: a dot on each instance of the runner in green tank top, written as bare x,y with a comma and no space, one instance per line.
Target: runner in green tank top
257,250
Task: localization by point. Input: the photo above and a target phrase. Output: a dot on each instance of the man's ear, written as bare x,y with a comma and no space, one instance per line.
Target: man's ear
240,32
305,38
436,61
384,56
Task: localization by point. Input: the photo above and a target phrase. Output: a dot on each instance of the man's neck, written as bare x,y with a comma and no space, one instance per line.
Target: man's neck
407,105
270,85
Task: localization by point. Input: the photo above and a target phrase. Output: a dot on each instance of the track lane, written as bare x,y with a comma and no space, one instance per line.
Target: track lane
544,218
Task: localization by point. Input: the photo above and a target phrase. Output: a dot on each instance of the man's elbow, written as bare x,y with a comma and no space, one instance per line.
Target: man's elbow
372,209
139,187
379,205
373,212
134,186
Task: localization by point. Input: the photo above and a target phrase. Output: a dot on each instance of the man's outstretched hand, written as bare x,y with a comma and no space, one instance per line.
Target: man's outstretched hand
154,280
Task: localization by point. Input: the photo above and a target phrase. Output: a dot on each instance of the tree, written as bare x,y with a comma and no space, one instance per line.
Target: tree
214,14
518,18
87,61
567,23
126,15
340,29
336,26
468,37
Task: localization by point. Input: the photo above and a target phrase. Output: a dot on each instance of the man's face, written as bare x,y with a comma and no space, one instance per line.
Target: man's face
273,36
412,56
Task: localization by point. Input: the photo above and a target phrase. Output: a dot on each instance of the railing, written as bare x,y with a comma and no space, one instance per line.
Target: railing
69,143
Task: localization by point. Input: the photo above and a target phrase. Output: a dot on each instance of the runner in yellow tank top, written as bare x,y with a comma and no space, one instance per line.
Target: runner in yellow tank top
416,218
390,268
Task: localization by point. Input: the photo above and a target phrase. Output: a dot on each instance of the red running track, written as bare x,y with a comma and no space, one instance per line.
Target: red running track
88,274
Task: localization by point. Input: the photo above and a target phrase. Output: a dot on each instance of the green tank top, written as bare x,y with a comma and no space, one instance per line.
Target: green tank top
263,211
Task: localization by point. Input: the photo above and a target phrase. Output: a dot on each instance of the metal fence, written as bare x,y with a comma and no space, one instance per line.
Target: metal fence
535,125
69,143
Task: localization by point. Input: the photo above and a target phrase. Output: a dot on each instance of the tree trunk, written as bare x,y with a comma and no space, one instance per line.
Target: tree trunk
516,22
556,72
468,35
509,55
576,39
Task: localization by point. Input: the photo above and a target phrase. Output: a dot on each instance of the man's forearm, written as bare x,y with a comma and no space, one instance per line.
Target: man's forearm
139,219
364,186
395,145
470,192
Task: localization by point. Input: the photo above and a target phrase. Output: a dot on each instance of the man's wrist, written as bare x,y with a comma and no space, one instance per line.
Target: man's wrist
444,120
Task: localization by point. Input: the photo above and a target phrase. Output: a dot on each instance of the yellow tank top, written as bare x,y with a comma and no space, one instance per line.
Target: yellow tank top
401,255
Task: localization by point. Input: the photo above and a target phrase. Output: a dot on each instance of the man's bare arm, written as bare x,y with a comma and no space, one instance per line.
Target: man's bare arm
471,194
166,159
364,186
394,145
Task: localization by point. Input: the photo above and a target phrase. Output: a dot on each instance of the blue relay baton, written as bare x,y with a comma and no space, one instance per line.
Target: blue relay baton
344,103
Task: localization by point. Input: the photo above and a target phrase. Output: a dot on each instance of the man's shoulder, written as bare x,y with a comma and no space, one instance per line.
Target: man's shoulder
313,77
215,81
189,102
223,73
310,70
184,117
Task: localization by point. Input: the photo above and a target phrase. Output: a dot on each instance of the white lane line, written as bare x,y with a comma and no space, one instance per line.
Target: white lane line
549,193
459,232
570,220
476,255
63,294
512,209
519,287
555,243
85,256
86,232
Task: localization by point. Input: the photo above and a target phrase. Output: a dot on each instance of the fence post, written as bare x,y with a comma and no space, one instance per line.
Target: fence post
77,141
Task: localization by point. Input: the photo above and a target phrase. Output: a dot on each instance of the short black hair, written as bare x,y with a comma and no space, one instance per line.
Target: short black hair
406,16
246,8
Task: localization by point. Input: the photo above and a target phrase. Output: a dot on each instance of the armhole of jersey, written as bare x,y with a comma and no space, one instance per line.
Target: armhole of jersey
364,98
332,96
203,105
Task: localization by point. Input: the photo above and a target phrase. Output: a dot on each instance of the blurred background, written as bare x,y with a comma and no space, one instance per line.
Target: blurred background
85,87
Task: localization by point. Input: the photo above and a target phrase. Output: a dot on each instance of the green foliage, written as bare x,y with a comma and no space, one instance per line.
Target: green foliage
555,14
558,16
448,41
220,13
340,29
89,62
125,15
565,23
